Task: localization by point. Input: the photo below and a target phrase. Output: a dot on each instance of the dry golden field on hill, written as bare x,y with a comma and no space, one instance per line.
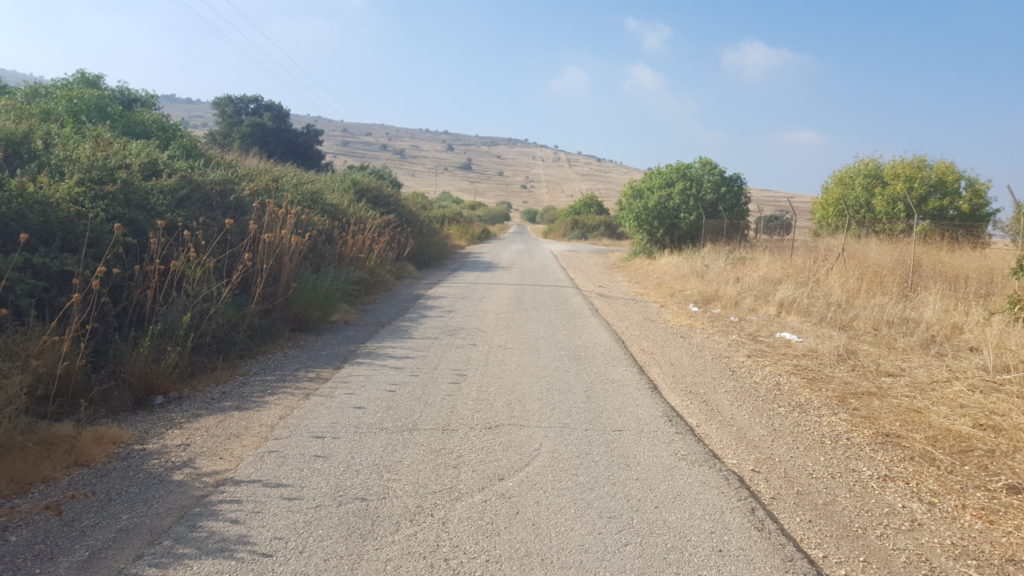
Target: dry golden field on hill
527,174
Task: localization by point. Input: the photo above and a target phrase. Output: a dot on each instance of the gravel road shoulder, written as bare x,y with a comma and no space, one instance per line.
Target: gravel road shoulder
829,492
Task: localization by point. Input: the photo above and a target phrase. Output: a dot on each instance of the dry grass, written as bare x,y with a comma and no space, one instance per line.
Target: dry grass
49,450
929,377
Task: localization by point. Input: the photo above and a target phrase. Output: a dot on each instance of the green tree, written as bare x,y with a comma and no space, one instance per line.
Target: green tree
586,205
530,215
949,201
247,123
662,210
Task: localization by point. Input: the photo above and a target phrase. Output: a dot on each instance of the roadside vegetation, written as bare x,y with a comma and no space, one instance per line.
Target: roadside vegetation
908,331
134,256
585,219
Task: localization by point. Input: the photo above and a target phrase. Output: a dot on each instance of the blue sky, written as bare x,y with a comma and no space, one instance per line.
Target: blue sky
783,91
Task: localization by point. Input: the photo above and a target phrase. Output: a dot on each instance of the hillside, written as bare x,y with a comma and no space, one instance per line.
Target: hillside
15,78
522,172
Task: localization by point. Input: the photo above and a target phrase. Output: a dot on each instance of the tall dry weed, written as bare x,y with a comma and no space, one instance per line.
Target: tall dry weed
932,374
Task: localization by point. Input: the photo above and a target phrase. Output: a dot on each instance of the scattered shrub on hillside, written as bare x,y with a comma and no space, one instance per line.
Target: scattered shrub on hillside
530,215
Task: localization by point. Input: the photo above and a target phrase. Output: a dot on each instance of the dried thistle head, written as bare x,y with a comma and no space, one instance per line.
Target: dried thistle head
75,282
4,312
161,224
268,237
118,228
95,284
252,226
23,237
229,222
101,270
76,298
116,271
187,235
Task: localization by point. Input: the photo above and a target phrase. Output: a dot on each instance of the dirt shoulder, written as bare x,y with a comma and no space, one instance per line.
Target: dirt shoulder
833,493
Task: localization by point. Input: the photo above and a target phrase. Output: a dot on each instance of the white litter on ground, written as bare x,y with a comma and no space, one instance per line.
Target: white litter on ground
693,307
734,319
789,336
717,311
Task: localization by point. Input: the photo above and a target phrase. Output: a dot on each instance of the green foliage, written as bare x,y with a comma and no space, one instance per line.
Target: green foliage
247,123
318,296
584,227
132,257
548,215
530,215
777,224
588,204
467,164
1015,301
954,203
662,210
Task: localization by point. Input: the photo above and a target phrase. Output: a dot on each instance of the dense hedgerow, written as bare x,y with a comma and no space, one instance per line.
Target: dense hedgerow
132,256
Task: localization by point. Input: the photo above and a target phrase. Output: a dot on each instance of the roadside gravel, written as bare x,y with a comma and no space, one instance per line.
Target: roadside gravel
831,493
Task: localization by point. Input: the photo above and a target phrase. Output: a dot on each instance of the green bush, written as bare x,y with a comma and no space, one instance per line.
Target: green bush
588,204
663,209
548,215
131,256
530,215
873,194
584,227
318,296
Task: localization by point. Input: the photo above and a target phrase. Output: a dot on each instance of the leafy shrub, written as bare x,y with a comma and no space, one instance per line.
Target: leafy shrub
318,296
663,209
530,215
584,227
548,215
588,204
777,224
1015,301
133,257
875,194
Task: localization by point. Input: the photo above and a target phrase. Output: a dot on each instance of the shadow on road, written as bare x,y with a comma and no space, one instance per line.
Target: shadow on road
132,501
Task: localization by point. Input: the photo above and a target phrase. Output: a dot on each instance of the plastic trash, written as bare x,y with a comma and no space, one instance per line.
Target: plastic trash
693,308
789,336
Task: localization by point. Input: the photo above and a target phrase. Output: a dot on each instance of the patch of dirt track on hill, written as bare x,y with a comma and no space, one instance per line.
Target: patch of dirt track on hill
830,491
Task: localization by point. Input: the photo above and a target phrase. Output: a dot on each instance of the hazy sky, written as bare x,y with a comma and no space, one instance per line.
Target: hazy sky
783,91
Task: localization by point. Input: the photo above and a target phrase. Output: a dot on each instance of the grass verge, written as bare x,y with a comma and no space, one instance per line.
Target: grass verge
930,376
49,449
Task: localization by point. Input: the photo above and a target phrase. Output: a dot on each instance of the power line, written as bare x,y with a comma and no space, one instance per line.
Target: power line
307,91
227,38
312,77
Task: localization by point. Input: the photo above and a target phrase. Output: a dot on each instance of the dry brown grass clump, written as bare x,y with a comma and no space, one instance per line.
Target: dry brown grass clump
932,376
49,450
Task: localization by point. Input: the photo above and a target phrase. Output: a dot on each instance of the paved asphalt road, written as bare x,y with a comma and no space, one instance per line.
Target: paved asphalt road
499,426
